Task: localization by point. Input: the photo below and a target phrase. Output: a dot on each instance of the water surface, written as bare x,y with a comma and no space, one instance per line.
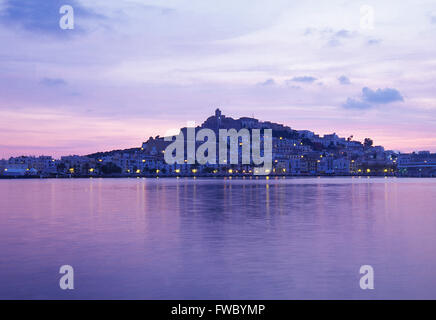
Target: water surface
218,239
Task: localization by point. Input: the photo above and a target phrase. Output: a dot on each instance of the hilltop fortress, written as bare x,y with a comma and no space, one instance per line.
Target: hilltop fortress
293,152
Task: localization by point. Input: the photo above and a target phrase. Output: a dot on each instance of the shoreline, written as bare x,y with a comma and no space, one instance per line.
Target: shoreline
223,176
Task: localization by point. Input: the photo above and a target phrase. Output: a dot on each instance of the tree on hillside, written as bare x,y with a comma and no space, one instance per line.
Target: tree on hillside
110,167
368,143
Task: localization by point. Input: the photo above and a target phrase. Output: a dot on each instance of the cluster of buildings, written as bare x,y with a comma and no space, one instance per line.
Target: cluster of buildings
294,152
417,164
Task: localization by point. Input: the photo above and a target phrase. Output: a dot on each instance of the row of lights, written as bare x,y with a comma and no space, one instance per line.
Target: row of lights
91,170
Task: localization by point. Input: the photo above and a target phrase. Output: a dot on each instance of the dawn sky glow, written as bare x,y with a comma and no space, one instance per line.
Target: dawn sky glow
134,69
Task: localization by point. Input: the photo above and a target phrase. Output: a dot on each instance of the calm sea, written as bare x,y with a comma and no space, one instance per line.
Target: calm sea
218,239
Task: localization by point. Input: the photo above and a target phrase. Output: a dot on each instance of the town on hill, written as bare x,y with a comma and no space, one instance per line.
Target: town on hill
294,153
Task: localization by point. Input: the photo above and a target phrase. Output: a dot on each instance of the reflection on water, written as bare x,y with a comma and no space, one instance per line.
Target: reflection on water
218,239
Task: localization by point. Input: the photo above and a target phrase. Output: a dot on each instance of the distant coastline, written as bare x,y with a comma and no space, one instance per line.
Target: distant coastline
292,153
217,176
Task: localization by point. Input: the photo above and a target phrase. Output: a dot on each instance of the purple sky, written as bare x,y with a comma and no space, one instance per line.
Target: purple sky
132,69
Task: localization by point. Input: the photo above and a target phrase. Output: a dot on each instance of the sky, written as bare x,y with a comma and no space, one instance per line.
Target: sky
133,69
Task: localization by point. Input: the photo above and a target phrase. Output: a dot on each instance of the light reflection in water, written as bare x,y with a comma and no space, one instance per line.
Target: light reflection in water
218,238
